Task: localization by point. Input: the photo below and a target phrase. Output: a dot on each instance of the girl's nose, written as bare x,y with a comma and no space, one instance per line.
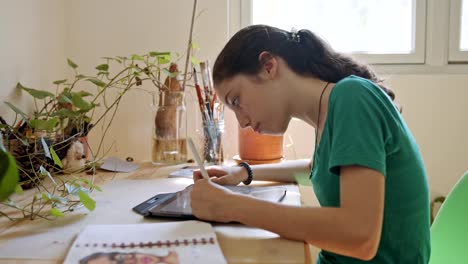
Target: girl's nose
243,122
242,119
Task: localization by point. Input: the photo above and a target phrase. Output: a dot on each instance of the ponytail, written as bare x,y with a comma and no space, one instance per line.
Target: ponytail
304,52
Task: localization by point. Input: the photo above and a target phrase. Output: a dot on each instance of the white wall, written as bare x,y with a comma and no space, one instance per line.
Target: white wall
121,27
436,110
32,48
35,42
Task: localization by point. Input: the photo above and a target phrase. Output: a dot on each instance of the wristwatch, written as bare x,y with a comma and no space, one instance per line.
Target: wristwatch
249,172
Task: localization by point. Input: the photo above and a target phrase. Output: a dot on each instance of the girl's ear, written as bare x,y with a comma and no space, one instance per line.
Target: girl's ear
269,65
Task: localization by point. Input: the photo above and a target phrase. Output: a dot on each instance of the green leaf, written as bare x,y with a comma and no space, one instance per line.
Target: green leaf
9,175
17,110
89,183
87,201
97,82
169,74
39,94
114,59
195,61
58,199
65,113
55,157
195,45
80,76
46,148
87,119
71,189
47,125
102,67
83,111
19,190
155,53
84,93
138,57
164,58
65,99
72,64
44,172
75,188
45,197
56,212
60,81
79,102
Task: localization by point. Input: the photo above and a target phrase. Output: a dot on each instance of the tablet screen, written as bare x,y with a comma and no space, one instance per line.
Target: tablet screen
179,204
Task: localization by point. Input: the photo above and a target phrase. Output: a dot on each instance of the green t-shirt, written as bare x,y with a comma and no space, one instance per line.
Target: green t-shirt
363,127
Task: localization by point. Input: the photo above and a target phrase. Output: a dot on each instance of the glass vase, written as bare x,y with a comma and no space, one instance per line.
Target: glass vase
169,129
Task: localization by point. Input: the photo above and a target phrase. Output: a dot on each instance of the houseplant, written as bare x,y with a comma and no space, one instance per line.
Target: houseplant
40,142
9,175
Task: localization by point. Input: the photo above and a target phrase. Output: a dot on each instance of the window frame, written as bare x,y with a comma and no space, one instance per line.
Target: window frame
455,54
419,27
436,42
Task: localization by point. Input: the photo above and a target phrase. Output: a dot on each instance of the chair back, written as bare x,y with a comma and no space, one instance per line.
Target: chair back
449,232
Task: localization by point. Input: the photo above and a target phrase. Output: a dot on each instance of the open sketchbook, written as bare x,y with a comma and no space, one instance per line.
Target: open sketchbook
168,243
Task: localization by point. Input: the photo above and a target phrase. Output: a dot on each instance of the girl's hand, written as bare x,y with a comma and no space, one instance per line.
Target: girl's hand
223,175
210,201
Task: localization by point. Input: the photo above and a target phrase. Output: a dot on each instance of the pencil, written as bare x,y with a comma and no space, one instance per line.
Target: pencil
204,173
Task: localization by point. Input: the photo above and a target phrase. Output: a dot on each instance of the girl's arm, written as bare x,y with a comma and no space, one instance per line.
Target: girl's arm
353,229
281,172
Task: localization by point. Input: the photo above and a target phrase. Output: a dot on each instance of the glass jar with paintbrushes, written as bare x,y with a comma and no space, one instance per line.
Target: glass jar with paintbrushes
212,113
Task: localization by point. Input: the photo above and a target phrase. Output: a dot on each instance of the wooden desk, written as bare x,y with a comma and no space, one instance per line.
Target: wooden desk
42,241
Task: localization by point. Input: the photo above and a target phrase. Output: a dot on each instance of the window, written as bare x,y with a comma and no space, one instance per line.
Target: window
464,26
397,36
458,48
377,31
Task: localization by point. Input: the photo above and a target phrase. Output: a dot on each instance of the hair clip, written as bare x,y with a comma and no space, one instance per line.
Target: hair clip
294,35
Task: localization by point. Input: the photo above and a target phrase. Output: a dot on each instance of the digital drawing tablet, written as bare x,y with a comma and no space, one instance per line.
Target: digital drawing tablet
177,204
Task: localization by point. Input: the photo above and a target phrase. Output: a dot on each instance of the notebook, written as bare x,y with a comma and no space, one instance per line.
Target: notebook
170,243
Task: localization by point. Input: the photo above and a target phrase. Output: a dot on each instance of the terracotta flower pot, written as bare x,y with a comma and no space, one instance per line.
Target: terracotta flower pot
256,148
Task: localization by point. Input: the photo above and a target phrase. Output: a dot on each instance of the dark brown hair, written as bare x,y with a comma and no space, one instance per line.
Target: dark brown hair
305,53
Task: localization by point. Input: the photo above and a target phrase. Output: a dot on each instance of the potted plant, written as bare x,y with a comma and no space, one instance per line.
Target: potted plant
52,140
257,148
43,143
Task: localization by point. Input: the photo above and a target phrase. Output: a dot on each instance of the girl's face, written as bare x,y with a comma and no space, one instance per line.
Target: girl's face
257,103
